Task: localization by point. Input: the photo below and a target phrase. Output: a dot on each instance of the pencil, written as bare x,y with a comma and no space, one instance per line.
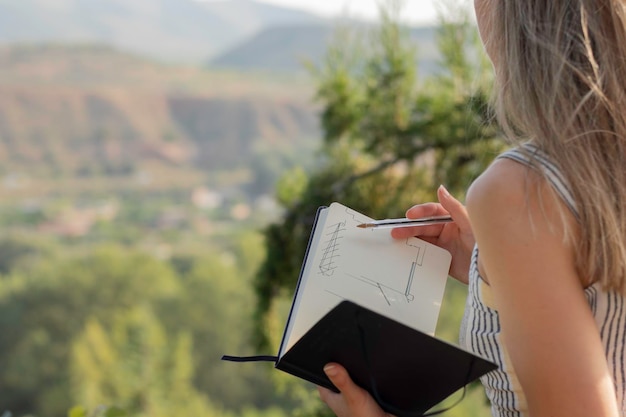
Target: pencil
391,223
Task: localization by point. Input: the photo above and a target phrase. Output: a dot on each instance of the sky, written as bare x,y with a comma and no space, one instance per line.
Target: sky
413,11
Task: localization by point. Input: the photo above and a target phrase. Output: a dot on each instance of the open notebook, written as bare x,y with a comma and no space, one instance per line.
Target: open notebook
371,303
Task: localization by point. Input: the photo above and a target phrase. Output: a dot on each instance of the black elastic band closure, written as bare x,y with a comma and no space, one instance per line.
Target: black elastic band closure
260,358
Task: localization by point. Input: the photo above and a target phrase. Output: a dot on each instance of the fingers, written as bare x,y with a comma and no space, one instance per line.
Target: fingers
425,210
330,398
453,206
423,232
416,212
340,378
353,400
447,205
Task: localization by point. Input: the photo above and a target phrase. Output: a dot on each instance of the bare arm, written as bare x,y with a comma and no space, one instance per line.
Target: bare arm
546,322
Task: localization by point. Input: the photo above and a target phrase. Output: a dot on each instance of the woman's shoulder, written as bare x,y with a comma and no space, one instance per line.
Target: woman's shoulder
515,195
502,185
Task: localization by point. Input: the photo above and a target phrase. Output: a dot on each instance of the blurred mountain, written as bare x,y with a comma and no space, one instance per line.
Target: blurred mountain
81,114
282,48
285,48
108,91
233,34
169,30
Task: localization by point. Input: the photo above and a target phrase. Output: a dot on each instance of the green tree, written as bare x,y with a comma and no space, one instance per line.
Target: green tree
117,327
135,365
390,138
17,251
215,306
41,313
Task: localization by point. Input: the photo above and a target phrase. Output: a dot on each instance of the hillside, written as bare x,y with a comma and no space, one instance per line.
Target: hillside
168,30
78,114
284,49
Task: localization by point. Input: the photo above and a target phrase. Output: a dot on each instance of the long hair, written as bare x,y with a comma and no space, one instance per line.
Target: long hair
561,83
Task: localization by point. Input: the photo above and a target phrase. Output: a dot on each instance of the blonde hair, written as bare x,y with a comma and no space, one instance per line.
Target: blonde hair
561,83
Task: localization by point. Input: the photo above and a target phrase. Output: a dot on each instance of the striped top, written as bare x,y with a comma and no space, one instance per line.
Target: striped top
480,329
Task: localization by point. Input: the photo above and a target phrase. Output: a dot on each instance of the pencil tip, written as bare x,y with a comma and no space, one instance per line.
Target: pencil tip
362,225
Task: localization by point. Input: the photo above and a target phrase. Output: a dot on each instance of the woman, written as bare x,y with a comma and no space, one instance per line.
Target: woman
542,240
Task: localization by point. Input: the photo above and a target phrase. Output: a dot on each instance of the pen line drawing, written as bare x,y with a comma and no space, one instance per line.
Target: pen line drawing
327,264
383,293
407,291
335,294
419,261
331,252
353,215
385,290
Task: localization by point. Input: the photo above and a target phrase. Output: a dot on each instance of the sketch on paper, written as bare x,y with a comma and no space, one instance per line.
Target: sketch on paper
404,279
390,293
391,286
330,252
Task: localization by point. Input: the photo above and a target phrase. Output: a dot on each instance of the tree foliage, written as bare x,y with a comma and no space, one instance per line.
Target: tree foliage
42,310
389,138
115,328
134,365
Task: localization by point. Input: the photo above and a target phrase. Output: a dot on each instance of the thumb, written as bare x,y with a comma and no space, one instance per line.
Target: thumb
353,400
340,378
453,206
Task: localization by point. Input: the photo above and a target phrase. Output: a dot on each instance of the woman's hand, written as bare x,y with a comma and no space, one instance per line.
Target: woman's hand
352,401
456,237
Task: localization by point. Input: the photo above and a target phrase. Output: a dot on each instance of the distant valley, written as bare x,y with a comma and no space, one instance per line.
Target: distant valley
150,94
81,113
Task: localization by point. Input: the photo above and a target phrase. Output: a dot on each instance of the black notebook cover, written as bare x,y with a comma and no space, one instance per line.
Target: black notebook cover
405,370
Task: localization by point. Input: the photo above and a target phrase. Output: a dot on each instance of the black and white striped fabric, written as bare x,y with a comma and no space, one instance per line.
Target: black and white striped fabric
480,329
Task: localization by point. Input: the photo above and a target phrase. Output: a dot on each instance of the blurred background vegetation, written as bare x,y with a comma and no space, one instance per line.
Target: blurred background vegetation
156,202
